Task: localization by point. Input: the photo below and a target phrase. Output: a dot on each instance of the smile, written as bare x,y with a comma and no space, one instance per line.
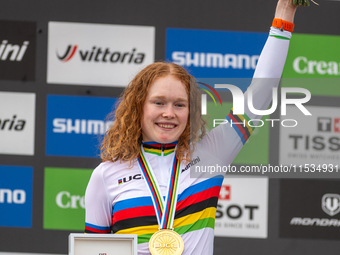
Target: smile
166,125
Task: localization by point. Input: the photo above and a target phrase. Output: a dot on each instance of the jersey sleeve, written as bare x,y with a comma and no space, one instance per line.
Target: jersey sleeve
225,141
268,72
98,209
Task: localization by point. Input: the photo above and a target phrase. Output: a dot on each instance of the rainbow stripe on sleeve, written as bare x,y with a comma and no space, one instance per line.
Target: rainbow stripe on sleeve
90,228
240,124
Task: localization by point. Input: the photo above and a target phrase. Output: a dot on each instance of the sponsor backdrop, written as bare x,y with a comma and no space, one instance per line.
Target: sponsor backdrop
309,62
315,140
228,54
97,54
17,111
74,126
63,65
64,201
17,50
319,216
16,196
242,209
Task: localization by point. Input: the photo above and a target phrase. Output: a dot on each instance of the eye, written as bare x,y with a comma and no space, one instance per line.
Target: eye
181,105
158,103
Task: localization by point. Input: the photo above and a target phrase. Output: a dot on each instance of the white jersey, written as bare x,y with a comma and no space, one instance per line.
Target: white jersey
117,199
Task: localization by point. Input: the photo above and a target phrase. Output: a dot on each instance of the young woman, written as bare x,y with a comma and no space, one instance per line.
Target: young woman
144,186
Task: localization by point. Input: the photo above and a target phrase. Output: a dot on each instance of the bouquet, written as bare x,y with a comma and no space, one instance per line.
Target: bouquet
302,2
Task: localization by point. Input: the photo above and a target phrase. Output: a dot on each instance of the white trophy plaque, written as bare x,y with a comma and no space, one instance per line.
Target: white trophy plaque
102,244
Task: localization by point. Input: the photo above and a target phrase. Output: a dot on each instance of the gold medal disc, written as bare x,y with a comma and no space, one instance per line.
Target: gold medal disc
166,242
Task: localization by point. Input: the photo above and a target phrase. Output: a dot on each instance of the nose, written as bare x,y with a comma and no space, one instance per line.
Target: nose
169,112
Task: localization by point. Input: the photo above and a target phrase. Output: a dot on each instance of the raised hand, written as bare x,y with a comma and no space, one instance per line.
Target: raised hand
286,9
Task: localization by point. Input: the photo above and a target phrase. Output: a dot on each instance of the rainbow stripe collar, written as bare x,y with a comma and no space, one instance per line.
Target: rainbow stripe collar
158,148
165,209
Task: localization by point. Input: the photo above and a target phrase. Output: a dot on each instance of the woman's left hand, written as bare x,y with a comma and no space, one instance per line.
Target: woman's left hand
285,10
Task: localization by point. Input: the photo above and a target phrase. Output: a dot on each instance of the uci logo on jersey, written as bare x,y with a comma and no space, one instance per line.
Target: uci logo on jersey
130,178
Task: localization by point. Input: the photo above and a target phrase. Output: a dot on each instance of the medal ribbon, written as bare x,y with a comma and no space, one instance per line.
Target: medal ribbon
165,210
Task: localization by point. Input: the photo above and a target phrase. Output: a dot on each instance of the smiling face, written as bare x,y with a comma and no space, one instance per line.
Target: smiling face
165,111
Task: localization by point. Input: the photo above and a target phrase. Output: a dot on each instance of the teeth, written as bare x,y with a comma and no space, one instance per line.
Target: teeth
166,126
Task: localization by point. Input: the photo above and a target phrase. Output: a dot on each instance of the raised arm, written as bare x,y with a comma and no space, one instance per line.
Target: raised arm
225,141
272,60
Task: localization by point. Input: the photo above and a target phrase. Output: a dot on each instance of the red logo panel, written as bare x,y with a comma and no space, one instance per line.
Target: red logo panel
225,192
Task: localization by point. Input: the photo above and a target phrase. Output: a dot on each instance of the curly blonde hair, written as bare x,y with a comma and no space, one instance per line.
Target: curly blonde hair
123,140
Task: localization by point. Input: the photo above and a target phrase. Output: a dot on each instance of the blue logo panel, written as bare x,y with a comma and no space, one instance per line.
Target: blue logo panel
16,196
215,54
76,125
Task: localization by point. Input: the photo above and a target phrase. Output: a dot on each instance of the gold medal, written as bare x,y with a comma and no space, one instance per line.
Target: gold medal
166,242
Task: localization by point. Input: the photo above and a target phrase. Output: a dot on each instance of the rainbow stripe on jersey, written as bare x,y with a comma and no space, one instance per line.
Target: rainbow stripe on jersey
195,209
